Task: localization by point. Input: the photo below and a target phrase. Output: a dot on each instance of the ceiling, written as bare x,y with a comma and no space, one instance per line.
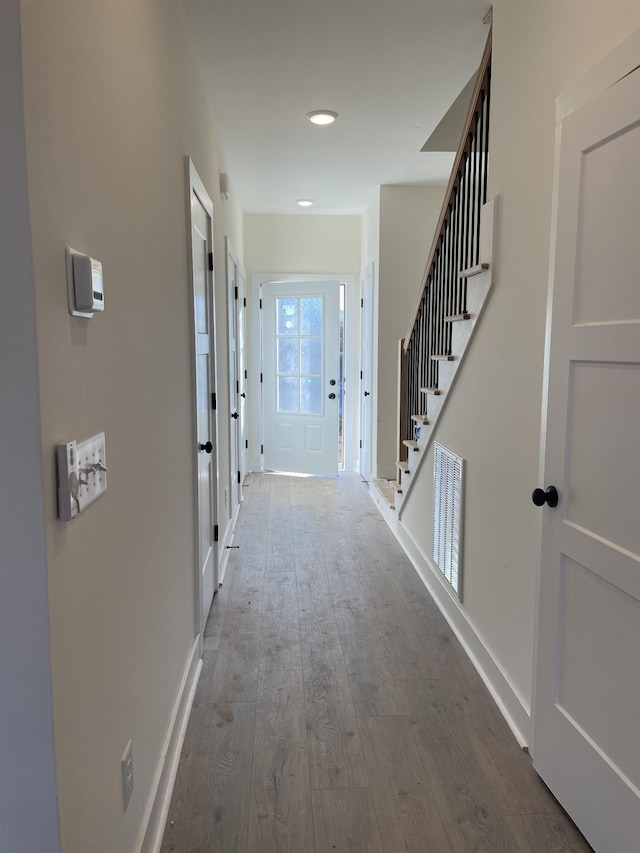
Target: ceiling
390,68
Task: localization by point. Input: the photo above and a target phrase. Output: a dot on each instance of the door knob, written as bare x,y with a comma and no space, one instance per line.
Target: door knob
208,447
234,415
366,393
243,395
332,396
332,382
540,498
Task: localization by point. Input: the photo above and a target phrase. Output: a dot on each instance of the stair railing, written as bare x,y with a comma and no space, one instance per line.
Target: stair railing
442,297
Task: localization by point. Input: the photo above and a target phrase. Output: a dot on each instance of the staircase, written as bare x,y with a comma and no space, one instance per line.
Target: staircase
451,298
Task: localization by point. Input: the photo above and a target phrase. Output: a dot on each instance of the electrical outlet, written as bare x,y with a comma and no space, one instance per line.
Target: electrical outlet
126,768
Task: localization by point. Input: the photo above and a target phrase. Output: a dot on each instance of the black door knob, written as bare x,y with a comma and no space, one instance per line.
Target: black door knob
332,396
243,395
208,447
366,393
332,382
234,415
540,498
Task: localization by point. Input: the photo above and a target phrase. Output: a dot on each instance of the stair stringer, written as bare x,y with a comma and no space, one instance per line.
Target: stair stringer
478,289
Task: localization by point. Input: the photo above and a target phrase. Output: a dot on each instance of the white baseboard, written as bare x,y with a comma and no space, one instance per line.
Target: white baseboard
155,816
511,706
385,510
223,557
227,539
222,566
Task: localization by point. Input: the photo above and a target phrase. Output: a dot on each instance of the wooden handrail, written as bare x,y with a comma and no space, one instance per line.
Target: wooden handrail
453,180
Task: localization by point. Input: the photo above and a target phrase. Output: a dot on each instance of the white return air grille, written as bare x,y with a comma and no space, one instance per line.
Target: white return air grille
447,516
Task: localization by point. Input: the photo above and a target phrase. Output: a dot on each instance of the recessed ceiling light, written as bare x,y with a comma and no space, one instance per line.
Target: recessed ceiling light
322,116
305,202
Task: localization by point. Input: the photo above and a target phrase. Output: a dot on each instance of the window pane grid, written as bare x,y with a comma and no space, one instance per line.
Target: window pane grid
299,356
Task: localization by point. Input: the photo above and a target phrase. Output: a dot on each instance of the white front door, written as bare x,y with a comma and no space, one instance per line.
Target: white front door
301,360
366,370
201,212
587,692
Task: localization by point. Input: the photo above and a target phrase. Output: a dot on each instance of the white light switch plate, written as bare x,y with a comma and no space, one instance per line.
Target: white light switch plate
82,474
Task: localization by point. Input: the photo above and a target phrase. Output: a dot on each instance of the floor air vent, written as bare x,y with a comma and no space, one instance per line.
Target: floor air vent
447,516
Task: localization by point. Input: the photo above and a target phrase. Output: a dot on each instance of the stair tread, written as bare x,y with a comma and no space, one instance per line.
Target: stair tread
420,419
403,466
384,487
413,445
396,487
454,318
474,270
435,391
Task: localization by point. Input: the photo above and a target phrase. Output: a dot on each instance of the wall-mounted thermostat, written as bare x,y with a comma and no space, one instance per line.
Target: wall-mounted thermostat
85,288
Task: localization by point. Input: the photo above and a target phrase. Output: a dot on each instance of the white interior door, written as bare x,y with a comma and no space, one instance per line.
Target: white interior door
206,436
300,357
241,346
587,692
366,370
234,384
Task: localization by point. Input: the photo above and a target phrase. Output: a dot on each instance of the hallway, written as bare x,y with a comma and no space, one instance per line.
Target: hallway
336,711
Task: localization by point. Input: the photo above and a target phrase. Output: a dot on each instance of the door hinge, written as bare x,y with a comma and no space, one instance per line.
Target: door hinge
214,404
210,261
215,532
261,304
362,303
237,387
262,448
244,302
238,476
260,377
360,374
245,374
246,443
236,291
360,444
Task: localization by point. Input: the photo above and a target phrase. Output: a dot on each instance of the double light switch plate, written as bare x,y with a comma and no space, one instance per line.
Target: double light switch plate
82,475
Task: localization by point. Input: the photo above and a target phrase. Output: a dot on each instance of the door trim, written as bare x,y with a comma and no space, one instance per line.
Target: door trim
366,276
620,62
234,486
243,365
351,418
196,187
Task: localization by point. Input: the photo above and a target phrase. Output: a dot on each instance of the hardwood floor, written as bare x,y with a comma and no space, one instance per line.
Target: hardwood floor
336,711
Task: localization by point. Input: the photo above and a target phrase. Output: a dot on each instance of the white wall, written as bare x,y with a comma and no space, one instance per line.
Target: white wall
493,417
305,243
113,104
28,809
370,232
408,218
308,244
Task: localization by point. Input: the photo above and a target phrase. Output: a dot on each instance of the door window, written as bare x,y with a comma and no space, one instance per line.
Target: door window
299,334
